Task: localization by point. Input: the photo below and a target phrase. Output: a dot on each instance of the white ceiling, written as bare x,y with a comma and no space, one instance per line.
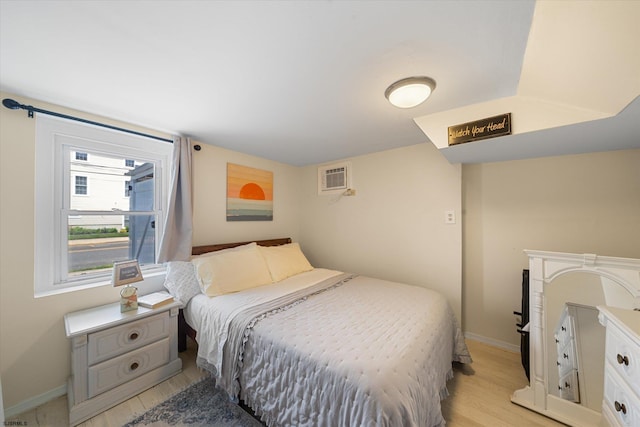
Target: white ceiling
298,82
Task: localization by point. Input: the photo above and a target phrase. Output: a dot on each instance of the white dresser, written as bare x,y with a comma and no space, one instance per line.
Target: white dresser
115,355
621,402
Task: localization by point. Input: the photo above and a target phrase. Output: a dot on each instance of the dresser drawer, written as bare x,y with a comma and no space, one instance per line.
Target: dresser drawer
619,401
107,375
113,342
565,330
568,387
624,358
567,358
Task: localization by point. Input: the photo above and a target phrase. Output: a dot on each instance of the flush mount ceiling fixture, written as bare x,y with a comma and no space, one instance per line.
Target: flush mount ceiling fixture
410,92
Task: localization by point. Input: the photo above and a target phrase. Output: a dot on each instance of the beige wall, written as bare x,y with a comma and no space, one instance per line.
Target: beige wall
394,227
210,181
587,203
34,352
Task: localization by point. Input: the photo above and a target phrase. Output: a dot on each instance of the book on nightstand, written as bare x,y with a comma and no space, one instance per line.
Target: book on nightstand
155,299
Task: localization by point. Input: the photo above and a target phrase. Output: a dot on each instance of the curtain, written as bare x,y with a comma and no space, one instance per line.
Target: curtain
178,230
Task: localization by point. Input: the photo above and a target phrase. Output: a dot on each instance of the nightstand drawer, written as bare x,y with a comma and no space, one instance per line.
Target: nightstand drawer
113,342
107,375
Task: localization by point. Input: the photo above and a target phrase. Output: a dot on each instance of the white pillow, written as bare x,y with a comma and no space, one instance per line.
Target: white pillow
285,260
234,249
181,281
231,270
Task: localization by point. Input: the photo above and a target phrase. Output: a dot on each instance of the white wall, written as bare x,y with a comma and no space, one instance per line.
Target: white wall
588,203
394,227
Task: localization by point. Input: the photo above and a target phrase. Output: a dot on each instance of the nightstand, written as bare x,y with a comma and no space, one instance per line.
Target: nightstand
115,355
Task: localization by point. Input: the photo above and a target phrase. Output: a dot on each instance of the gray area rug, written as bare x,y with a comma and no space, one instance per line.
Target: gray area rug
201,404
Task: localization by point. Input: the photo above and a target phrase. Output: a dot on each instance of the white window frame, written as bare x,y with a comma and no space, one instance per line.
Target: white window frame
55,137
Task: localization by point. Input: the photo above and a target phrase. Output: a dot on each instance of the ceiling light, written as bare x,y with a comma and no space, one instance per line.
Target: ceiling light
410,92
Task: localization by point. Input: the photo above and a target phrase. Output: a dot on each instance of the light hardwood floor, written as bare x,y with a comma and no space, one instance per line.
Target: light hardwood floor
479,395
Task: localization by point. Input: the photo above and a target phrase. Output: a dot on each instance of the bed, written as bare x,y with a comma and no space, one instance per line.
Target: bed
314,346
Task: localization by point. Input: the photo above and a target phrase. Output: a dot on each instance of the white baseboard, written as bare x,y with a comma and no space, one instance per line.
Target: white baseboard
493,342
33,402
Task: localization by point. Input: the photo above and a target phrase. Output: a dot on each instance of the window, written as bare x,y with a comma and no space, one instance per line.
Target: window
81,185
120,225
129,163
81,156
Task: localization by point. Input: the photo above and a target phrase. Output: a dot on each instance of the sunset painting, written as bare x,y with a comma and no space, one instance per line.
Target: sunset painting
249,194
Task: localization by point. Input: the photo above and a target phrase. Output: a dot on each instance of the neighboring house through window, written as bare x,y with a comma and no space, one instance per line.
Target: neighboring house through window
90,166
81,185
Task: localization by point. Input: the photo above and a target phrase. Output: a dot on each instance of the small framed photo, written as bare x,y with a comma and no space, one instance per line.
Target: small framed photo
125,272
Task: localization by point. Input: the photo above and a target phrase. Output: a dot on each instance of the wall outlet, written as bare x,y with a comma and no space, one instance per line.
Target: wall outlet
449,217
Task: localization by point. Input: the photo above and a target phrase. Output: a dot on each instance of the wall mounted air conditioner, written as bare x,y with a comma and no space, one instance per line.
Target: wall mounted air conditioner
334,178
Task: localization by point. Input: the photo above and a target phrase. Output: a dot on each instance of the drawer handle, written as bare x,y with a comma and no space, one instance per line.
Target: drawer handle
135,366
563,328
623,360
133,336
566,356
620,407
567,385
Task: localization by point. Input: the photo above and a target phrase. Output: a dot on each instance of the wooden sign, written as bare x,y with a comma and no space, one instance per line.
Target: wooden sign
480,129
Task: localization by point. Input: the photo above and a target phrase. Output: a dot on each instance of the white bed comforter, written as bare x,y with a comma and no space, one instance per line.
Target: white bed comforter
357,352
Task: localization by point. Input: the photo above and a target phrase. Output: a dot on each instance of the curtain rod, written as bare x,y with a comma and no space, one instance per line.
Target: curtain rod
15,105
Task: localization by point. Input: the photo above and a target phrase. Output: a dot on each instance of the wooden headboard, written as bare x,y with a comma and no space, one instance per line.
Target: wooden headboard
199,250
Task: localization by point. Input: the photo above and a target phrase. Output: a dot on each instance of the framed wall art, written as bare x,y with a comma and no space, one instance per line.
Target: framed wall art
249,194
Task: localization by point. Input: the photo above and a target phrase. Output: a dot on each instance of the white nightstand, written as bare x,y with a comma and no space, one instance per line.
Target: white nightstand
115,355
